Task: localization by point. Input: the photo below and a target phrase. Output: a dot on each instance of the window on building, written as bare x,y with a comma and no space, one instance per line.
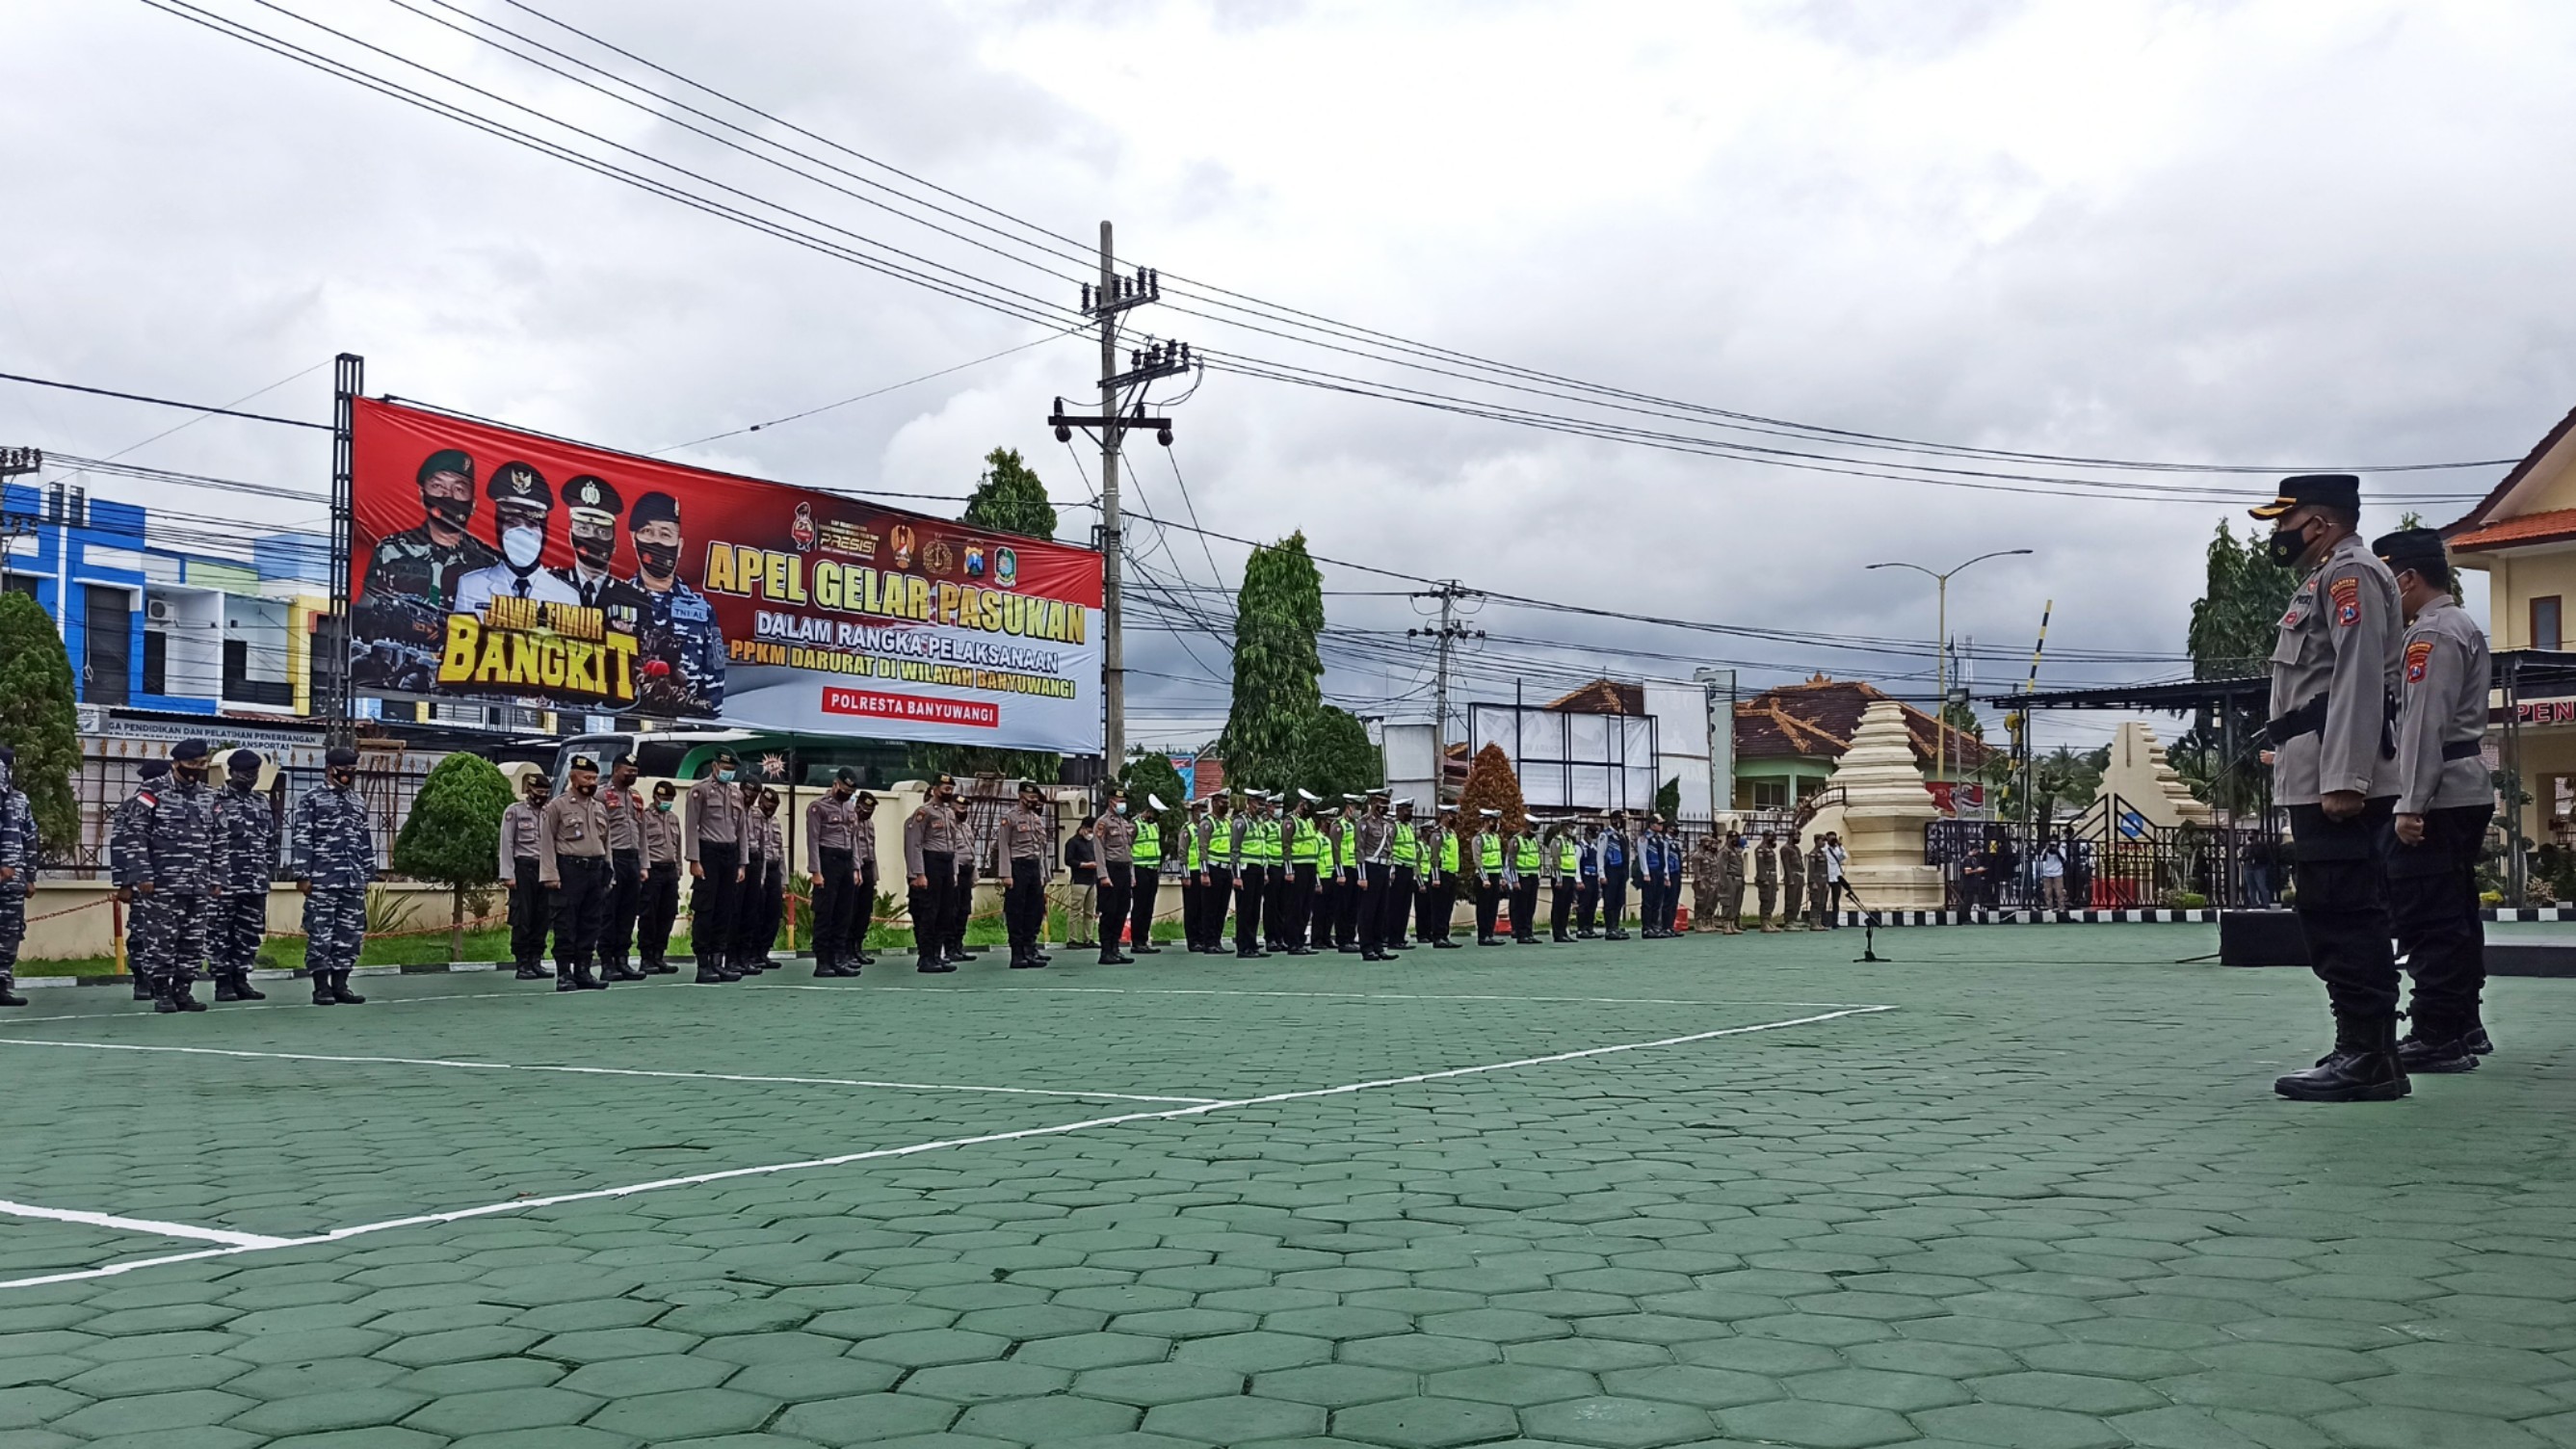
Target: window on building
1770,794
2544,622
19,584
156,661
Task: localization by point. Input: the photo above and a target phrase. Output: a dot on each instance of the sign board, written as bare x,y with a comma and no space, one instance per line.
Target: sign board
1571,761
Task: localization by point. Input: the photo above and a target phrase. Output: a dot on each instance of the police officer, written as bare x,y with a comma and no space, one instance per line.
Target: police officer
18,850
522,506
1528,865
331,852
1024,849
1730,884
626,811
831,862
572,861
929,864
765,879
1193,853
2334,686
1492,861
1403,880
1440,857
661,896
711,836
1793,882
2444,801
1147,853
961,895
752,929
1618,858
1565,880
1650,880
1216,872
518,866
1251,875
178,862
1766,880
594,506
245,863
680,649
128,848
1372,839
1116,836
1587,904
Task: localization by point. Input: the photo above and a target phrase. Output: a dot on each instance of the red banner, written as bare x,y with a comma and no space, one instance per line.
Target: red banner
504,566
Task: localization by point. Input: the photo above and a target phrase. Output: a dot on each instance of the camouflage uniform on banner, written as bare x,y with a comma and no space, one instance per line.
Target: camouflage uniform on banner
333,855
126,846
178,866
245,862
17,872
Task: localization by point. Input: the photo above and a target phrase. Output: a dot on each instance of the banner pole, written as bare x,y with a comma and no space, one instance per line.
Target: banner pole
338,710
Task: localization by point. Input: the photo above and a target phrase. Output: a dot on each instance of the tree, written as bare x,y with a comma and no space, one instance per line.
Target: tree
1668,799
2064,777
1149,774
1277,672
36,717
1491,785
1331,755
454,834
965,760
1008,498
2233,626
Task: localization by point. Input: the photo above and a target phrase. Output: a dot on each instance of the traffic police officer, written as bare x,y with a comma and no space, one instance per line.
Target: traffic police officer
2334,684
518,867
1492,860
332,855
245,863
1253,834
1404,875
573,864
1528,863
1216,874
18,849
2444,800
1440,860
1147,852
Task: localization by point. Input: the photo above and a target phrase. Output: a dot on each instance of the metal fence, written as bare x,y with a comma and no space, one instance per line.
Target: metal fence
2120,862
111,769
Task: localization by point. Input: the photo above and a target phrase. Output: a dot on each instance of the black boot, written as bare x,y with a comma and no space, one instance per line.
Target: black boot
143,990
563,978
164,1001
2363,1067
340,989
2438,1047
323,994
9,997
659,967
584,980
709,974
531,971
1028,960
225,990
244,990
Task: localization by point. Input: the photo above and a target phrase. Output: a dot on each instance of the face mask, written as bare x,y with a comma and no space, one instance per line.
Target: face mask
658,559
593,549
454,512
1120,807
725,775
342,778
241,781
585,787
2286,545
190,774
662,805
521,546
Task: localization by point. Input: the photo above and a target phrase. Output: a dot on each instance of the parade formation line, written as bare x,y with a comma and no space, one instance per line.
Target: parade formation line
235,1243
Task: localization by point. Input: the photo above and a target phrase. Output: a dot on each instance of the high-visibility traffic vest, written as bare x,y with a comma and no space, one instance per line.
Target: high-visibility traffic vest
1408,846
1270,853
1305,841
1525,859
1221,841
1191,858
1147,849
1346,849
1449,852
1569,858
1489,852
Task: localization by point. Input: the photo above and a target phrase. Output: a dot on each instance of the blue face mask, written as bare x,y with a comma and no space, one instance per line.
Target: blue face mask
662,805
725,775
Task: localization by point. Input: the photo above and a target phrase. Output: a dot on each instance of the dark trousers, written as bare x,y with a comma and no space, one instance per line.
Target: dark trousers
1292,903
625,899
835,899
240,923
1489,900
1525,908
1587,905
1348,906
1649,903
1025,910
1672,901
660,907
1614,902
2433,903
1117,892
1368,907
862,912
581,909
1140,915
1560,906
530,910
929,905
961,907
1394,907
1439,903
1251,884
1215,898
711,900
747,941
2343,907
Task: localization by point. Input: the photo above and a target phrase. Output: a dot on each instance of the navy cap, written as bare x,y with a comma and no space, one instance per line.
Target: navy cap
8,755
2334,490
242,762
447,460
190,751
654,508
340,757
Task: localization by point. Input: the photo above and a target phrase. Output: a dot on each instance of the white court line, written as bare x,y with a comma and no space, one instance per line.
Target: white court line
241,1242
1343,995
875,1154
230,1009
108,1046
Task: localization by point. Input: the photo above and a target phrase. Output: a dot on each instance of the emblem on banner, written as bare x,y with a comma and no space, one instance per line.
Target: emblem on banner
974,560
1006,566
802,530
938,557
899,540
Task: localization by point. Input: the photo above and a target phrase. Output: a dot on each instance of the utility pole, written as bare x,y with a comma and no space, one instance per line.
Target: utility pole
1449,632
1106,302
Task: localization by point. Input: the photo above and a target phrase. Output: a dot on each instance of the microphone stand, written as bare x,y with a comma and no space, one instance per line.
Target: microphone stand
1869,929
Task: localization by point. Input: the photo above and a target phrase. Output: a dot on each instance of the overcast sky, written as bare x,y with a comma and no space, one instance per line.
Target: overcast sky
2256,233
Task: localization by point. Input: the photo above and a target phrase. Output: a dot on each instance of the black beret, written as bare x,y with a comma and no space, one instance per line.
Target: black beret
654,508
340,757
8,755
243,762
155,769
583,762
2412,548
519,483
2332,490
590,494
187,751
447,460
845,776
724,756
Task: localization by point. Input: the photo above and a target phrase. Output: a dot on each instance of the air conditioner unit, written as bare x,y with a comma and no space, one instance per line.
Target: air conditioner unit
156,611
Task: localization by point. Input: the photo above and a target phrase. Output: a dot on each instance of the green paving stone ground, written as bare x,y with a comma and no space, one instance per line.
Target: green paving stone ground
2043,1200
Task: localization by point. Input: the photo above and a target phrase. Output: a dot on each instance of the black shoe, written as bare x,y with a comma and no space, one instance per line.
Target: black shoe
935,968
659,967
531,971
825,968
323,992
11,998
1030,962
1116,958
1399,946
1446,945
565,983
225,990
864,959
2478,1042
2363,1067
2437,1058
707,976
583,980
1561,939
164,1003
143,990
1489,940
964,956
1147,949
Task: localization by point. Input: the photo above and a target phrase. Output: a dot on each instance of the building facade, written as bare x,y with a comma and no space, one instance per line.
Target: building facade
2522,536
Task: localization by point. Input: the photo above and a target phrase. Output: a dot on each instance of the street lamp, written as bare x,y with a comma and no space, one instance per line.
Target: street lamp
1941,647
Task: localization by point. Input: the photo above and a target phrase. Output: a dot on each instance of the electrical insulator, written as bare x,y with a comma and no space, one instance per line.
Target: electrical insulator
1164,437
1063,434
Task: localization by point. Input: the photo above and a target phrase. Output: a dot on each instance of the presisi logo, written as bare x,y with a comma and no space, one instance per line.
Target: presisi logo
802,529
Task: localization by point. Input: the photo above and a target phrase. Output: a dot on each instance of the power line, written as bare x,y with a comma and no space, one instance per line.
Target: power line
166,402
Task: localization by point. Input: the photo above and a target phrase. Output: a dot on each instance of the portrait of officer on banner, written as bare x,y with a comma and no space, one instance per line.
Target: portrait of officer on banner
412,577
680,666
594,506
522,506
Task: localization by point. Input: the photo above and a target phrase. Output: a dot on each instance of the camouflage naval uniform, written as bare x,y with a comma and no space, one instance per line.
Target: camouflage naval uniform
401,614
680,652
125,847
245,841
18,857
333,849
178,863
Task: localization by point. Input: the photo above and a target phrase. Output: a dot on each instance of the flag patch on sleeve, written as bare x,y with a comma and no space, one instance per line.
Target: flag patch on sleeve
2419,658
2347,602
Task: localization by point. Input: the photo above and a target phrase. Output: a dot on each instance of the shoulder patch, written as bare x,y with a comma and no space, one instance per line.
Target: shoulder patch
2419,657
2346,593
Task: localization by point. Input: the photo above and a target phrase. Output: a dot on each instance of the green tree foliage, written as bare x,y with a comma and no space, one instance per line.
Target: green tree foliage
36,717
1008,498
1332,755
1277,672
963,761
2233,626
454,834
2065,779
1491,785
1149,773
1668,799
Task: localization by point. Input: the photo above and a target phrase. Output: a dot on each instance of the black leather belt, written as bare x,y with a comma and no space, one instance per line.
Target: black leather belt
2463,749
